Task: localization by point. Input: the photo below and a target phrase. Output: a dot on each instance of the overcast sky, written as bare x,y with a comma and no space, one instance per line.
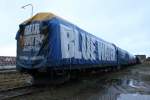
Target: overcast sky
125,23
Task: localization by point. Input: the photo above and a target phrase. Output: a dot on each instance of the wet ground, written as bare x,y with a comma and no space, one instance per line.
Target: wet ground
132,83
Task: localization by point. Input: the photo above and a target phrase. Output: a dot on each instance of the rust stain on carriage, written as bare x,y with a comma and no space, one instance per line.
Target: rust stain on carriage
21,41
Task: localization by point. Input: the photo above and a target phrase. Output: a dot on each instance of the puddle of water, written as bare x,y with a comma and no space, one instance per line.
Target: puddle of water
133,97
131,86
122,89
136,84
130,83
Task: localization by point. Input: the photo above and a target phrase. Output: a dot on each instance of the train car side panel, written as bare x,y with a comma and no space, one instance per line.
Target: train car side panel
79,47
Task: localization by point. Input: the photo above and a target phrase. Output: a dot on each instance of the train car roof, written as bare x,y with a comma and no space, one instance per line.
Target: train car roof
40,17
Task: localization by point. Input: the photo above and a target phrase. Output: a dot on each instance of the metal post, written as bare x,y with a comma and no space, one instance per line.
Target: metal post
31,8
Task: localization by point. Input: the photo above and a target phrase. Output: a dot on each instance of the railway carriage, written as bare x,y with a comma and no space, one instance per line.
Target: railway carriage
48,42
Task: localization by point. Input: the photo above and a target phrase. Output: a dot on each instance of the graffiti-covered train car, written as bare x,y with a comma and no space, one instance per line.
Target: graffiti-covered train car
48,42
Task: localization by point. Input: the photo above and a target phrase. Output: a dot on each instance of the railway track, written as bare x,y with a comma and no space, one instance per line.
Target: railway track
10,93
11,80
8,71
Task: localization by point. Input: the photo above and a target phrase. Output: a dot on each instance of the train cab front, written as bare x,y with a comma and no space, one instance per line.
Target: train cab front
32,46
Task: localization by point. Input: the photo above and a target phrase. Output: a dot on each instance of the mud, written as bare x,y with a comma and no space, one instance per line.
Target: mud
132,83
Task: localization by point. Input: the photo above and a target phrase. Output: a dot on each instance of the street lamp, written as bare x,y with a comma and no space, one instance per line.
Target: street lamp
31,7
